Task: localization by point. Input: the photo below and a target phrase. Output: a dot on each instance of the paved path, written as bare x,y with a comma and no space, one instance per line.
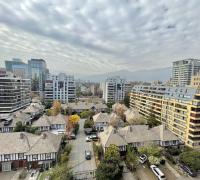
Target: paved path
127,174
77,156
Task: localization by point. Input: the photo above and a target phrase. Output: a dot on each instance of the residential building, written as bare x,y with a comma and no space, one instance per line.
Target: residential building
183,71
195,82
17,67
101,121
138,136
60,87
78,107
114,89
20,149
14,93
51,123
176,107
37,73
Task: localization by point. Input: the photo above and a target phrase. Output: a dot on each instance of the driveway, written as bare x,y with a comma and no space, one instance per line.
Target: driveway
12,175
77,161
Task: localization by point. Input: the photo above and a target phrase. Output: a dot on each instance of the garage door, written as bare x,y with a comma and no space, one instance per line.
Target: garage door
6,166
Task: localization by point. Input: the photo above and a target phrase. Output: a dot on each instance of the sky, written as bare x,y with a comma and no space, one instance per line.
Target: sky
99,36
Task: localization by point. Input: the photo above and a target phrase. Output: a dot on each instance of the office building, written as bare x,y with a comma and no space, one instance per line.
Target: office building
17,67
178,108
60,87
195,82
183,71
114,89
14,93
37,73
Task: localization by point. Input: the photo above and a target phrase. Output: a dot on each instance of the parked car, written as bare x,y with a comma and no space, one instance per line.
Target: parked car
88,155
189,171
94,137
158,172
143,158
88,139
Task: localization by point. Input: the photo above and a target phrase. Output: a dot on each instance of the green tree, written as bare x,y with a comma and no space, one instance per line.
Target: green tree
131,158
108,171
89,123
86,114
127,100
19,127
191,158
112,153
151,151
151,120
76,128
48,104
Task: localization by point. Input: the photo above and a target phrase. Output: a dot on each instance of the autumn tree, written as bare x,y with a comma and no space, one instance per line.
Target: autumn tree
74,119
56,108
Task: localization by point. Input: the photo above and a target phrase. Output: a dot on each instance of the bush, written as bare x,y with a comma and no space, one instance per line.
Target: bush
89,123
98,150
76,128
68,149
170,158
174,151
151,151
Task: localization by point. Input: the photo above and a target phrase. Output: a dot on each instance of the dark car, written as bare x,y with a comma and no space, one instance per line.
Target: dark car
189,171
88,155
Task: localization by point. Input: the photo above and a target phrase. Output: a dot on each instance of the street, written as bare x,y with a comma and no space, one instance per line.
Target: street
80,166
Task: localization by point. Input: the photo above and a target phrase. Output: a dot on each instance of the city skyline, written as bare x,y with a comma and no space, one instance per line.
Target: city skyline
78,37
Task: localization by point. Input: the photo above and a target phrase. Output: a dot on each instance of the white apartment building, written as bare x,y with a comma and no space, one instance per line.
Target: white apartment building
183,71
60,87
14,93
114,89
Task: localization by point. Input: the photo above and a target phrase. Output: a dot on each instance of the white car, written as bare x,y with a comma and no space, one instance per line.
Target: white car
88,139
158,172
143,158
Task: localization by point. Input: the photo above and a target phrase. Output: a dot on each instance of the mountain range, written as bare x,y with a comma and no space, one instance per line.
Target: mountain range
162,74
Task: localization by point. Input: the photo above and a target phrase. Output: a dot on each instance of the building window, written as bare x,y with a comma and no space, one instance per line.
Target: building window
20,156
7,156
48,156
34,156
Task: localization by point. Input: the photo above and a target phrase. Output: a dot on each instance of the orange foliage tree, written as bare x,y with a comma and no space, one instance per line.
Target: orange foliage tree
56,108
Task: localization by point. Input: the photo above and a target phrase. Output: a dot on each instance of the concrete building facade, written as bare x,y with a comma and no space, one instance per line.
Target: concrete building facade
14,93
183,71
60,87
114,89
176,107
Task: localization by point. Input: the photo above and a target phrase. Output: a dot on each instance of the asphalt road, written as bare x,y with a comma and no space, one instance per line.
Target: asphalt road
77,156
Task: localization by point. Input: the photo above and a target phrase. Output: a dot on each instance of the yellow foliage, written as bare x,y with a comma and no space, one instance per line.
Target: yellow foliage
74,119
56,108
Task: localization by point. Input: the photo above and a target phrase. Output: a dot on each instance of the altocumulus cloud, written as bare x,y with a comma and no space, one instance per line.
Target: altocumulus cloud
97,36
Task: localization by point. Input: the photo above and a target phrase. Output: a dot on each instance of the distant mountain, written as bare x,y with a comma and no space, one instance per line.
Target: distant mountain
162,74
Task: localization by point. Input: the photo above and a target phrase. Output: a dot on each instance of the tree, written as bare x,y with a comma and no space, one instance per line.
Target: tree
112,153
48,104
131,158
108,171
73,119
151,120
150,151
154,160
127,100
19,127
56,108
76,128
86,114
89,123
191,158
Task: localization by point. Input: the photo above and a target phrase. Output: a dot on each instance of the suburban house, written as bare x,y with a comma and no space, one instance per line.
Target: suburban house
51,123
137,136
8,123
85,106
35,110
101,120
21,149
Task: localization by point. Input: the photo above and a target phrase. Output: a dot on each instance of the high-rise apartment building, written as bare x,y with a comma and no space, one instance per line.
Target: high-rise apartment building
60,87
114,89
183,71
17,67
176,107
37,73
14,93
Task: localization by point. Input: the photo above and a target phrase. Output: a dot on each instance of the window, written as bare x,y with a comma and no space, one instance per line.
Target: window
48,156
34,156
7,156
20,156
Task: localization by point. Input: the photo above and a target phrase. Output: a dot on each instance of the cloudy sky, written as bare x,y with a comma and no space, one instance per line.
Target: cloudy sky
98,36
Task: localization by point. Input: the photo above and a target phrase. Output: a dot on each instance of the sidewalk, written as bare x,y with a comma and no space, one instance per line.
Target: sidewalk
127,174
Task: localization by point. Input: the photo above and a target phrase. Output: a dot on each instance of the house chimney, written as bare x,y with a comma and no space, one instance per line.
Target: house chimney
21,135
